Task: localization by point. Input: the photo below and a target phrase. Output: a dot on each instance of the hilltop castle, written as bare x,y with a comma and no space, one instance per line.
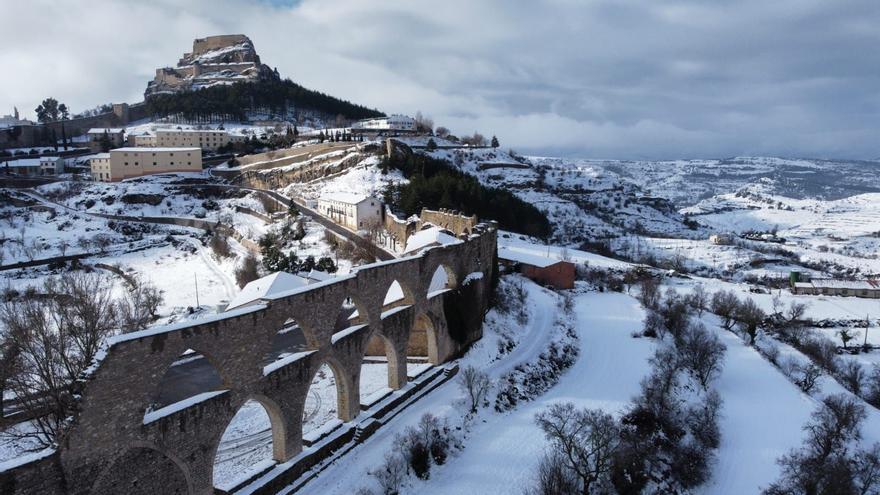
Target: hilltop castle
214,60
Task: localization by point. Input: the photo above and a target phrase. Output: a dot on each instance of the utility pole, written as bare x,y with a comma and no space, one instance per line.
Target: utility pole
196,278
867,323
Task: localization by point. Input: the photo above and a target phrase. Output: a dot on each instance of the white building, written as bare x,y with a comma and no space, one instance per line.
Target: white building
354,211
391,123
51,165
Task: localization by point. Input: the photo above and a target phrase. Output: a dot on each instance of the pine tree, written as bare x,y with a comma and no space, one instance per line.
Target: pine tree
494,142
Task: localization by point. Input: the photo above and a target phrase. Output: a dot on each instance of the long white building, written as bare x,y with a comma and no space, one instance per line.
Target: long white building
354,211
391,123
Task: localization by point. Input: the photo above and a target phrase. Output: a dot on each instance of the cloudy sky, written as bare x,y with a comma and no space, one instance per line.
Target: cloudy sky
591,78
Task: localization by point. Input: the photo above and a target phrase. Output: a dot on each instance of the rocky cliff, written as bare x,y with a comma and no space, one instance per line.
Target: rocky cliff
214,60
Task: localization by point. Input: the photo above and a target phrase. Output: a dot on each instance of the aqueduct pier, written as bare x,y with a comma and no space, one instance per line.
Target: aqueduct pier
116,444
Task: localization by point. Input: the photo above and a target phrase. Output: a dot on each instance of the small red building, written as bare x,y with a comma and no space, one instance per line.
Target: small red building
545,271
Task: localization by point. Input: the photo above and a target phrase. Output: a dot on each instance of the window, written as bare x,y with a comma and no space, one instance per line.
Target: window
154,164
126,163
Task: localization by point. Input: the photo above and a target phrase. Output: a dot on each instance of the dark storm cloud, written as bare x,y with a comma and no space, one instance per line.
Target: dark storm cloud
611,78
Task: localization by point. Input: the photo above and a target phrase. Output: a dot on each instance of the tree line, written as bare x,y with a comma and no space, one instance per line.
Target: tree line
434,184
232,102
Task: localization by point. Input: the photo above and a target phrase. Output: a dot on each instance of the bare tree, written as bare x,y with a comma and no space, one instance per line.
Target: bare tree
55,338
654,325
750,316
702,353
441,132
138,307
796,311
554,477
475,384
851,374
826,463
586,439
424,123
649,295
247,271
699,299
845,335
392,473
725,304
63,246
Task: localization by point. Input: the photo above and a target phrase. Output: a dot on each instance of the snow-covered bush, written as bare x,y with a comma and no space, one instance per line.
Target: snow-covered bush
393,472
414,452
528,381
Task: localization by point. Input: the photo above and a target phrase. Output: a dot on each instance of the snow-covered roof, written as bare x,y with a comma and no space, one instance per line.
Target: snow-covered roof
266,286
526,258
188,130
319,275
348,198
431,236
100,155
24,162
830,283
149,149
108,130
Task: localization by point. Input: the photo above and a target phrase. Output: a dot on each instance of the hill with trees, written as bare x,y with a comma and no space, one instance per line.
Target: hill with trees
236,101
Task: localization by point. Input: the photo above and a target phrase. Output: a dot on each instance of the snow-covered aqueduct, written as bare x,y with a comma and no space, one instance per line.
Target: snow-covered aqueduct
119,442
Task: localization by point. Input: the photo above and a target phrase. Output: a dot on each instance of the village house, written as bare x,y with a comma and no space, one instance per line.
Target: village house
559,274
354,211
124,163
722,239
834,287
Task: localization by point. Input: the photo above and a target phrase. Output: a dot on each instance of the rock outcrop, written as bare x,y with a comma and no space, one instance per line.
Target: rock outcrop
214,60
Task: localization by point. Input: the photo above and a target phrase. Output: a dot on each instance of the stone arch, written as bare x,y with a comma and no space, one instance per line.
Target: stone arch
380,346
248,413
144,469
422,341
190,373
397,294
344,390
288,339
438,282
352,311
